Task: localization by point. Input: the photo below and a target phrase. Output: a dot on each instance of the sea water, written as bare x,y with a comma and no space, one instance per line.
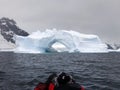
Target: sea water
95,71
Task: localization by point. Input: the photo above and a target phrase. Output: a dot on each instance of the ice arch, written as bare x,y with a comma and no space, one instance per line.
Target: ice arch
64,39
40,42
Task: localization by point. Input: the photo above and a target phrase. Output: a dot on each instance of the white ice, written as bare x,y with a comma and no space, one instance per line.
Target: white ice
59,41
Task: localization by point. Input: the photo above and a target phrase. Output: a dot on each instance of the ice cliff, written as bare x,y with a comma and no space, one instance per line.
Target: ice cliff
60,41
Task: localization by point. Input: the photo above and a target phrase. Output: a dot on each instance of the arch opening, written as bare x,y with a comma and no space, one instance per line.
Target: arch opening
59,47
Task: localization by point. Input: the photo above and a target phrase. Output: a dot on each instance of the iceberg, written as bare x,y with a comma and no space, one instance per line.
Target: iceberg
118,50
59,41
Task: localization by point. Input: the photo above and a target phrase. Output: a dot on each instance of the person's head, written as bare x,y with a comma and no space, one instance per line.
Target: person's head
63,78
51,78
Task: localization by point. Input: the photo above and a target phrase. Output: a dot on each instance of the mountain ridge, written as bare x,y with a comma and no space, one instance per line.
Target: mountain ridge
8,29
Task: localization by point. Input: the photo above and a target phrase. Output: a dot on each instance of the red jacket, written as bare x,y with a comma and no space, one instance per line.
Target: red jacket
82,88
43,86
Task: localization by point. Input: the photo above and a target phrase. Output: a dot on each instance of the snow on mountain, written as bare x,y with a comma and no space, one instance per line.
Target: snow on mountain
8,29
5,45
118,50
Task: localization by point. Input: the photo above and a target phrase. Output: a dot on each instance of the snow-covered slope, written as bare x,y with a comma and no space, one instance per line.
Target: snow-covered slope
71,41
8,29
5,45
118,50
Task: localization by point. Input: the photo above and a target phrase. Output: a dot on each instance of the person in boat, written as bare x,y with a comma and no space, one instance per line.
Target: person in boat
61,82
66,82
49,84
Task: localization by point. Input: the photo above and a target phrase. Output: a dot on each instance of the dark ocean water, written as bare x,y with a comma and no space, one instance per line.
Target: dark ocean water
93,71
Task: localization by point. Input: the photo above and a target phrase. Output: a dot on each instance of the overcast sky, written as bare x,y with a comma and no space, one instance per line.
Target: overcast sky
100,17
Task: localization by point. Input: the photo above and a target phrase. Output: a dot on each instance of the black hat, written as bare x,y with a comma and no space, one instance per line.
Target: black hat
63,78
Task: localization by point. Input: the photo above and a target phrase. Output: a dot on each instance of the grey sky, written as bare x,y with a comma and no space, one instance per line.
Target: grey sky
100,17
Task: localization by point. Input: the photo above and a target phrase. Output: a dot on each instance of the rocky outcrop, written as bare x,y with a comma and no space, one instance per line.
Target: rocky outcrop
109,46
8,29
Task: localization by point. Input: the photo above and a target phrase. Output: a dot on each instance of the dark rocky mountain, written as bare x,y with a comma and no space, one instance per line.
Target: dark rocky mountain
109,46
8,29
113,46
